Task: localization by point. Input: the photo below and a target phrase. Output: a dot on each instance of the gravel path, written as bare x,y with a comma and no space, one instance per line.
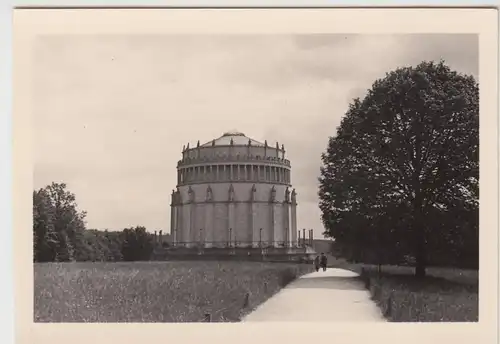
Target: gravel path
336,295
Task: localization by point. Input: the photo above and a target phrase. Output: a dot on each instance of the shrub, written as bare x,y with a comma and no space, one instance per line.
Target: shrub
404,298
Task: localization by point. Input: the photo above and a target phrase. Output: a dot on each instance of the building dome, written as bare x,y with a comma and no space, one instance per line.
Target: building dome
234,138
235,191
233,133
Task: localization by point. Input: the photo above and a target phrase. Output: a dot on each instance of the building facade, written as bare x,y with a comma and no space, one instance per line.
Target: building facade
234,192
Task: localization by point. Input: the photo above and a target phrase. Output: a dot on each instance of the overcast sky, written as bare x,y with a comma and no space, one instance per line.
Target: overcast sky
112,113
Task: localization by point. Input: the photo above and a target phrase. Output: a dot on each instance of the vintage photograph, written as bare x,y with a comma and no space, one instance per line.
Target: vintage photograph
255,177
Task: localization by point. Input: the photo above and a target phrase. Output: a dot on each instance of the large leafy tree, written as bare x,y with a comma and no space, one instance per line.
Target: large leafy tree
45,240
57,223
400,177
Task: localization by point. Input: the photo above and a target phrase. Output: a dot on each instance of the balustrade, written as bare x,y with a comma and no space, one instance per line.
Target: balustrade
233,173
229,158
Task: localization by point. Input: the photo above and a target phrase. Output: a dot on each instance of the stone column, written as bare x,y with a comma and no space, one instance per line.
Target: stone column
194,232
255,225
178,224
286,223
209,224
278,232
230,218
173,213
293,221
188,229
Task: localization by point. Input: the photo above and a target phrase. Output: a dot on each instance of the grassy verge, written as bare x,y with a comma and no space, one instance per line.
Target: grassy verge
156,291
448,295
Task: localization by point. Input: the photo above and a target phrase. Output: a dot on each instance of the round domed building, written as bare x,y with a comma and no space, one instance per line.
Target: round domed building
234,192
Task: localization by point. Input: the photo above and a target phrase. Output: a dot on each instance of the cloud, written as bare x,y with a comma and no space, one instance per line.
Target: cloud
113,112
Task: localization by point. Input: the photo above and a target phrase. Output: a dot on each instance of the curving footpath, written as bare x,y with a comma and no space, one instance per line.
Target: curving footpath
331,295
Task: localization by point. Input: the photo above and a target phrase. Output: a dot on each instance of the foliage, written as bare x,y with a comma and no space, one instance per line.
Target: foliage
155,291
100,246
58,225
137,244
400,178
45,241
59,232
448,295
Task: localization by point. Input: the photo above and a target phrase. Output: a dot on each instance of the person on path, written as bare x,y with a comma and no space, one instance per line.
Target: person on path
323,261
316,263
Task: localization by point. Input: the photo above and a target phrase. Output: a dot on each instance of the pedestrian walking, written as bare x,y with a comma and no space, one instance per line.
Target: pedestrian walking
323,261
316,263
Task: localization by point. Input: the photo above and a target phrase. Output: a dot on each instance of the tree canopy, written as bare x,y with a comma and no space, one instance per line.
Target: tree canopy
401,176
137,244
58,225
60,234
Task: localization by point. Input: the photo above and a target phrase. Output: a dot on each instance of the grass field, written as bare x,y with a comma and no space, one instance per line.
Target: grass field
155,291
449,295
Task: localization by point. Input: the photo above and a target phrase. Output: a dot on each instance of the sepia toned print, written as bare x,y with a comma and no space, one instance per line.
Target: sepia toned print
348,192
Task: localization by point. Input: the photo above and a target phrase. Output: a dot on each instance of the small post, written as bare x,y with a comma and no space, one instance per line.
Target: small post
208,317
299,238
304,236
388,310
246,301
367,282
230,231
260,237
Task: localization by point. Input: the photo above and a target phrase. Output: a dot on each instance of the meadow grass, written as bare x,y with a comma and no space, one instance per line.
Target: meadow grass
445,295
155,291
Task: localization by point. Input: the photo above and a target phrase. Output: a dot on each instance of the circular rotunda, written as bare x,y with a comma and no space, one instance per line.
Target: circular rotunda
234,191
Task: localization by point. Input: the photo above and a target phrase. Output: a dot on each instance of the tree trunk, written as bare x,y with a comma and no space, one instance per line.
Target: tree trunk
420,249
420,263
419,235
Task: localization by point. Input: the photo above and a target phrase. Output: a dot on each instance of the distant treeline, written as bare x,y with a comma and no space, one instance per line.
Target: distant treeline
60,235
